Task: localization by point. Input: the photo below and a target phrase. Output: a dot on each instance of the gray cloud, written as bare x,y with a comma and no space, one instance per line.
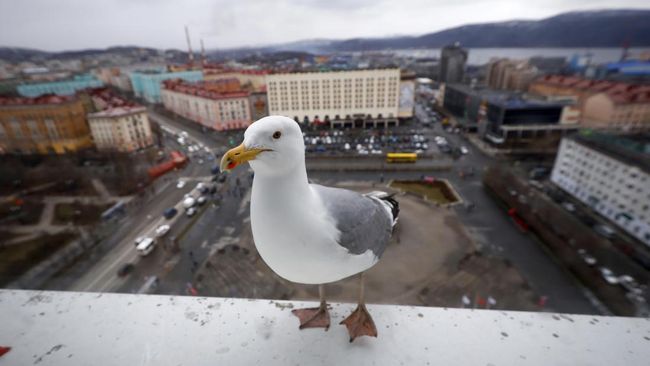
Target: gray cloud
74,24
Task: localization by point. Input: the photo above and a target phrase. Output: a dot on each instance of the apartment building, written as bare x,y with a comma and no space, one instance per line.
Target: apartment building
205,104
356,98
43,125
610,174
122,129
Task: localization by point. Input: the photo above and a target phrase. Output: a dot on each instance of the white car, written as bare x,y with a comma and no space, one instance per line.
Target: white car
190,211
162,230
189,202
609,276
464,150
180,184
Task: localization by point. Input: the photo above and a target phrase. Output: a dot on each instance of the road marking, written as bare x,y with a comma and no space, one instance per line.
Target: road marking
103,273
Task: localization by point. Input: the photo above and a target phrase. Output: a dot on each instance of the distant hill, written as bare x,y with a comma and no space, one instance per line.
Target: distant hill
611,28
603,28
13,54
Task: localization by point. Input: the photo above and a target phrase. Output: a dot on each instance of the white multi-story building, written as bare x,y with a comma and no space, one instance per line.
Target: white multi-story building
343,98
122,129
611,174
199,102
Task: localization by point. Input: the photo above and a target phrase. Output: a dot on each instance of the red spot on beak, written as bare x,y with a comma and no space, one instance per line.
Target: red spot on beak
231,165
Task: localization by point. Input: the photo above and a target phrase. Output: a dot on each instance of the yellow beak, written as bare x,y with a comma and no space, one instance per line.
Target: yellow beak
238,155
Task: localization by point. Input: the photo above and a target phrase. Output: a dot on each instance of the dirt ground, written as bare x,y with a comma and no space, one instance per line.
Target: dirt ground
431,261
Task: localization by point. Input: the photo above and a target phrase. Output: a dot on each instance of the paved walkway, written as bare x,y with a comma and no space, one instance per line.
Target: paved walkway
100,188
45,225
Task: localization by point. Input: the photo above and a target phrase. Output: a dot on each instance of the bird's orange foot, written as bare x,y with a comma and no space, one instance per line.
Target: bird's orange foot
313,317
360,323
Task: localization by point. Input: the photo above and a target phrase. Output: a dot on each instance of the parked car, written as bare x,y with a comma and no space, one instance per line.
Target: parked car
605,231
569,206
170,212
587,258
629,283
201,200
180,184
162,230
464,150
608,276
138,240
190,211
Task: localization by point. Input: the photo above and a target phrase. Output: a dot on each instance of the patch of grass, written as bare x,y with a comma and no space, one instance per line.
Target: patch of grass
18,259
437,191
77,213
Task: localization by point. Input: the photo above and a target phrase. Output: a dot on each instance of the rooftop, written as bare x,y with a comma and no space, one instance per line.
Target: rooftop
109,98
216,90
508,99
631,149
118,112
63,328
620,92
41,100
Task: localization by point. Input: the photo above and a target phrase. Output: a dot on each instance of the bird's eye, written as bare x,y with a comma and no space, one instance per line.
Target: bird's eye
277,134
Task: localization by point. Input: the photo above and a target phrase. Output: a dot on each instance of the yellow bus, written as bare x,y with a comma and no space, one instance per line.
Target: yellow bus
401,157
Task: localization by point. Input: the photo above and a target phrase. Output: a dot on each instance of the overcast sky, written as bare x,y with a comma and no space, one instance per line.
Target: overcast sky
76,24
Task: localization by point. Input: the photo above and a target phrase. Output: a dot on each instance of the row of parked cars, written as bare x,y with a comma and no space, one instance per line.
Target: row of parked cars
631,286
364,143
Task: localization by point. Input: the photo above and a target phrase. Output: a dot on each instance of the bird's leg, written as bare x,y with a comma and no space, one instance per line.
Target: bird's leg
314,317
360,323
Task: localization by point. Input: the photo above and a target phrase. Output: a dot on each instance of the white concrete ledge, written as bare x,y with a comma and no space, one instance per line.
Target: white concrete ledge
69,328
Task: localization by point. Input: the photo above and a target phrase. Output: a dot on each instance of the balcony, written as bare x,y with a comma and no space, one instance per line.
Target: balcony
66,328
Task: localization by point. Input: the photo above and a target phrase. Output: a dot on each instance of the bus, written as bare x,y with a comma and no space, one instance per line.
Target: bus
401,157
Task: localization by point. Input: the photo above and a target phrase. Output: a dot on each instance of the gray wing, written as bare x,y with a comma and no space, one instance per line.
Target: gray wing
363,222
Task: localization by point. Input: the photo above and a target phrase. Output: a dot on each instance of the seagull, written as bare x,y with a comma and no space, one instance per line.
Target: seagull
309,233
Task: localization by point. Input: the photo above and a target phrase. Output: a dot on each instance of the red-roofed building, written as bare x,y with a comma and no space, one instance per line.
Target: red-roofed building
213,104
603,103
252,80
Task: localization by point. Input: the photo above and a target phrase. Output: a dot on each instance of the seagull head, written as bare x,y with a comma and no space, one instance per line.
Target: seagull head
272,145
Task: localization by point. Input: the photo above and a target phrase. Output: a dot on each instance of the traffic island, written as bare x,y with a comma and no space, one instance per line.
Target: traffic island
436,191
